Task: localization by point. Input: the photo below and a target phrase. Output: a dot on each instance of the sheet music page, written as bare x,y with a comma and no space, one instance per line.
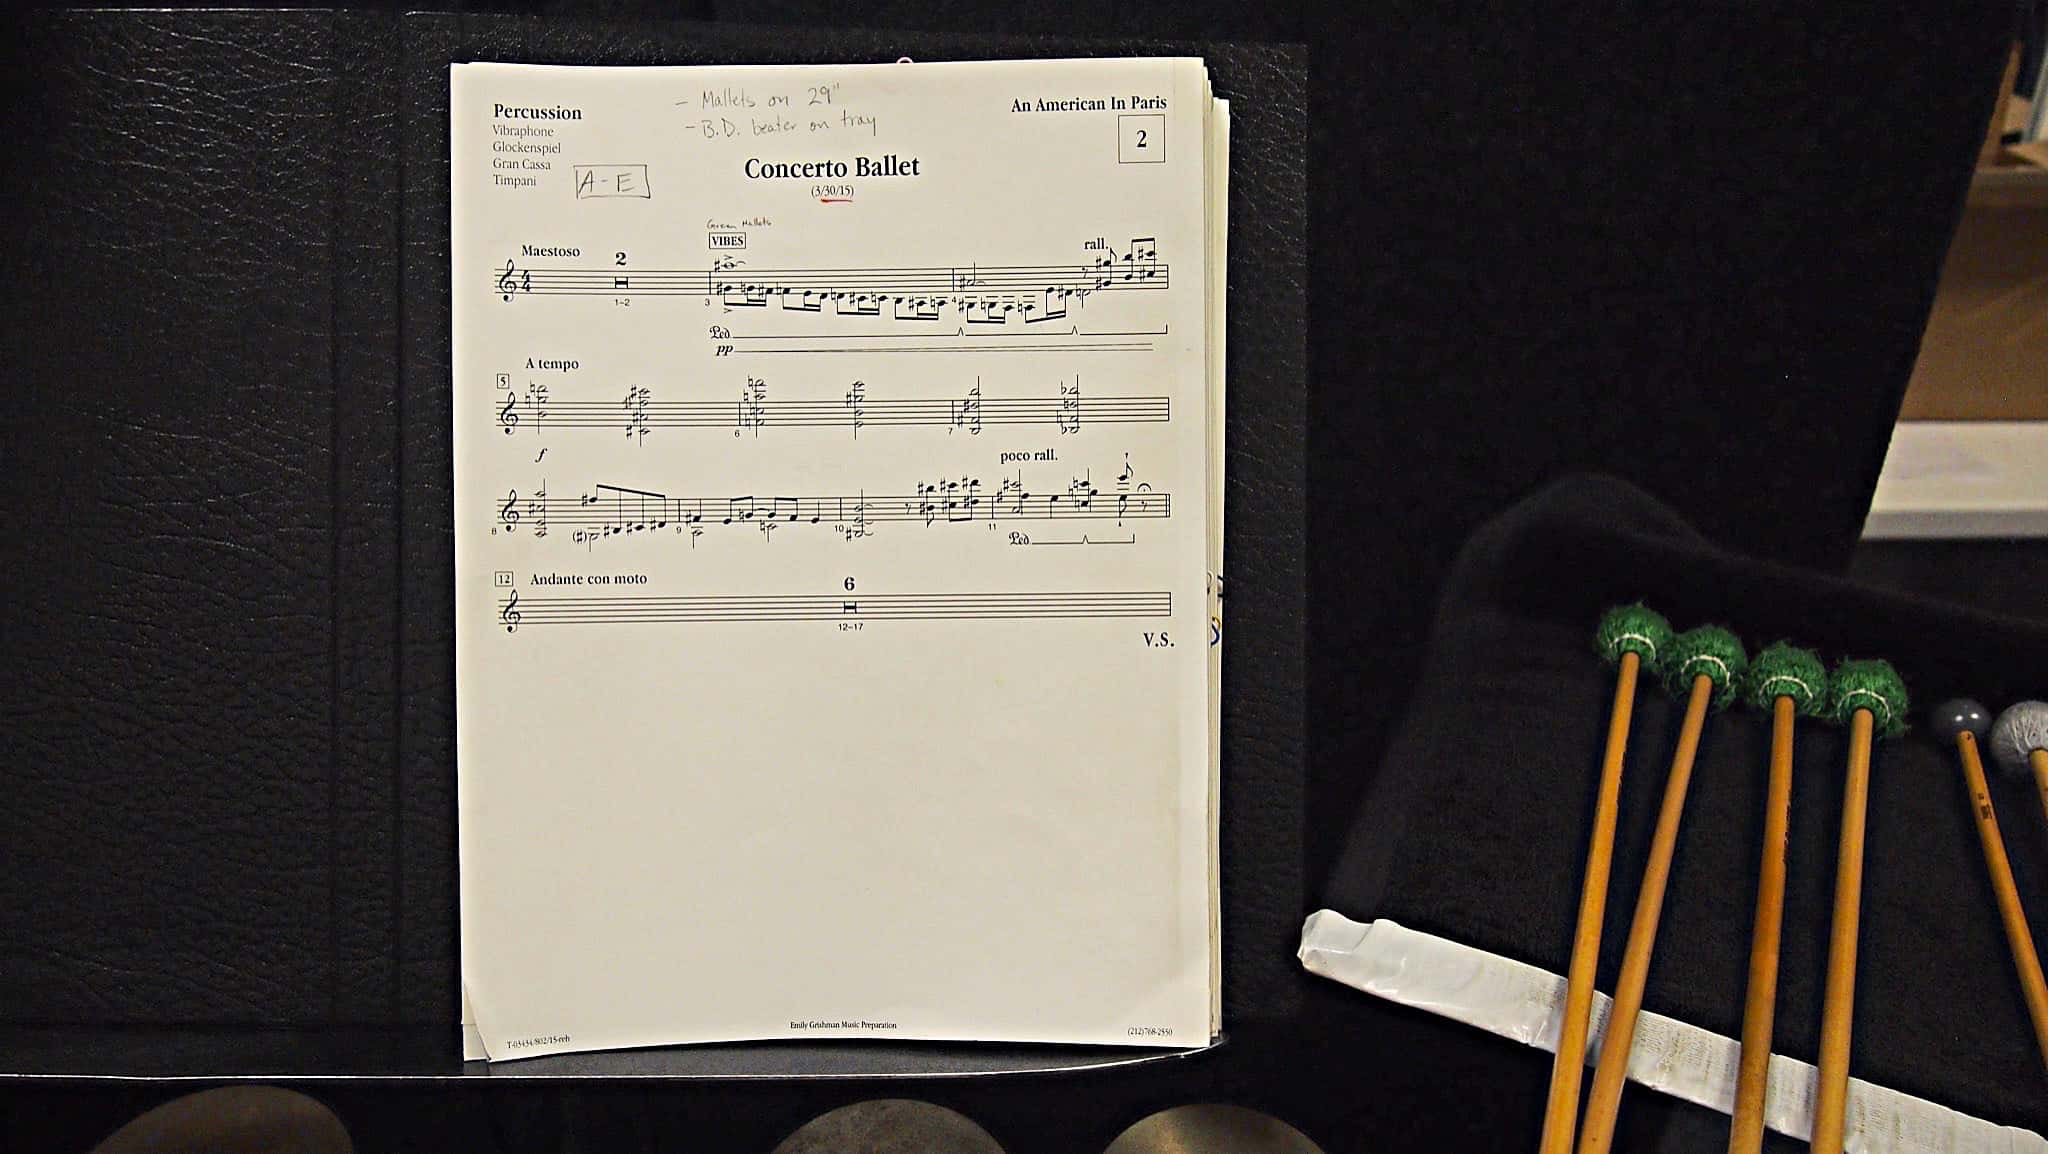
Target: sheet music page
833,503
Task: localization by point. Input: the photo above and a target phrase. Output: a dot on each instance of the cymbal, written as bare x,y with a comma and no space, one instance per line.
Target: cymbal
1212,1128
890,1126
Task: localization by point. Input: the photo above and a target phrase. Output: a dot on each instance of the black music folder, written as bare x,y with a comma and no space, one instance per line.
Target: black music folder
231,828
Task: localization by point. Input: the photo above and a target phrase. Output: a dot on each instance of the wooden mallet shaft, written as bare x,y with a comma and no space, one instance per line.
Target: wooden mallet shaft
1831,1094
1603,1103
2038,761
1759,1008
1562,1110
1869,698
2024,957
1788,681
1634,638
1705,664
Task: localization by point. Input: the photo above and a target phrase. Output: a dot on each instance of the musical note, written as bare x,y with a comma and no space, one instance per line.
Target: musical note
508,612
1082,493
1013,488
962,498
636,413
1051,305
967,414
858,528
1124,491
753,406
856,399
1144,258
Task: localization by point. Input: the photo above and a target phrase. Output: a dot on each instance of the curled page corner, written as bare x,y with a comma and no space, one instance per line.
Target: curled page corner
1523,1003
472,1039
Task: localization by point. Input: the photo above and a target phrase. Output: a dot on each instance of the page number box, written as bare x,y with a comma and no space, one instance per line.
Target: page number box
1141,138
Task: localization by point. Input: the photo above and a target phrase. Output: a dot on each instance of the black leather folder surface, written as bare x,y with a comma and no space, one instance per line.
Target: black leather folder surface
229,826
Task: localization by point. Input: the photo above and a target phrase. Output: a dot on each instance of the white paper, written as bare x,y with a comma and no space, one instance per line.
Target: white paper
862,414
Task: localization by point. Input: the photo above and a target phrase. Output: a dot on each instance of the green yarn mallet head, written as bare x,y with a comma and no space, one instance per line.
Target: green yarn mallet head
1708,651
1871,685
1636,629
1785,670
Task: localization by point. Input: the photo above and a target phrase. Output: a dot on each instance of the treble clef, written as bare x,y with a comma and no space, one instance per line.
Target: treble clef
507,416
508,281
508,613
509,511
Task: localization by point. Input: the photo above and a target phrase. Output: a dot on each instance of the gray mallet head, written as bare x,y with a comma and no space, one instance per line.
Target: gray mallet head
1952,719
2021,730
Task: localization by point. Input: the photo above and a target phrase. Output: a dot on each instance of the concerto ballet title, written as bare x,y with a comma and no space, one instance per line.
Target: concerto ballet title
889,165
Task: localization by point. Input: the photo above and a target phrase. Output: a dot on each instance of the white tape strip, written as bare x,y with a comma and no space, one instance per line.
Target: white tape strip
1519,1001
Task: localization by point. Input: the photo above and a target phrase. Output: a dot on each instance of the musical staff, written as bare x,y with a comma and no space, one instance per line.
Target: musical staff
616,510
638,412
980,294
516,614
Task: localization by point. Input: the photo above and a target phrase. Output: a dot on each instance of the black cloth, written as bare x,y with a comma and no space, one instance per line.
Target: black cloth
1476,827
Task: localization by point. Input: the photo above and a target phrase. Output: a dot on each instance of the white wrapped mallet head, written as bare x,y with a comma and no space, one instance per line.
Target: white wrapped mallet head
2019,740
2020,732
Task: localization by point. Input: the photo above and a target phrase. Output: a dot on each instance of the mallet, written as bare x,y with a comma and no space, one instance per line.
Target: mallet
1633,638
1868,697
2020,739
1706,664
1964,722
1788,681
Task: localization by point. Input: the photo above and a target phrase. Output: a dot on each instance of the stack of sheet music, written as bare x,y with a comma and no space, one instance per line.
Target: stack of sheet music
838,492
